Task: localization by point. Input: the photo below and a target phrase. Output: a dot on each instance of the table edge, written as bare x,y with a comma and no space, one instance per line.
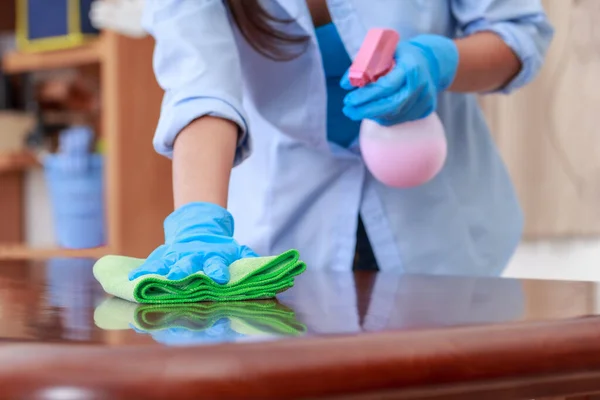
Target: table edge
309,367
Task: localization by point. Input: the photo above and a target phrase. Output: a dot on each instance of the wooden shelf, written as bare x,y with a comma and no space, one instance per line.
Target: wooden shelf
18,62
16,252
130,103
11,162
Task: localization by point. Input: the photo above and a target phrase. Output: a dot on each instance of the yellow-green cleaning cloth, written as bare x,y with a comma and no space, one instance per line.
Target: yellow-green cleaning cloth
249,318
251,279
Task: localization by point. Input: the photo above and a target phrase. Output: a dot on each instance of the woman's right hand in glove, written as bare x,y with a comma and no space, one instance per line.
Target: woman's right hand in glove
198,237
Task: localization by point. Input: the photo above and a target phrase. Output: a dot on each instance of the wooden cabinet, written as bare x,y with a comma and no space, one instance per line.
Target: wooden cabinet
138,181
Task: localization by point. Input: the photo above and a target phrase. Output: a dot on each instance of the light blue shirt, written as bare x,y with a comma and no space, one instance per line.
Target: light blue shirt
292,188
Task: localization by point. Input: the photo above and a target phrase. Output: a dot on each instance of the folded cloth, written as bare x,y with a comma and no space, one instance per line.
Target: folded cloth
251,279
247,318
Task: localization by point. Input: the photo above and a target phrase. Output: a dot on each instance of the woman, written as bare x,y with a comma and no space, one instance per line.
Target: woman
242,79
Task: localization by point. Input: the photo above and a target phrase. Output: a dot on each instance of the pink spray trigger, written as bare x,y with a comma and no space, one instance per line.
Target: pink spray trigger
375,57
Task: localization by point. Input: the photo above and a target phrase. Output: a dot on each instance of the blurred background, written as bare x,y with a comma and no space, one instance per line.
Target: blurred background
79,104
78,107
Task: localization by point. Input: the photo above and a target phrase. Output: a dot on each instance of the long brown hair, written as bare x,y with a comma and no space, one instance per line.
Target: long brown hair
263,31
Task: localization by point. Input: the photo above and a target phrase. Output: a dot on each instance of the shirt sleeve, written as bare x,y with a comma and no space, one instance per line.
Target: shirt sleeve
522,24
196,62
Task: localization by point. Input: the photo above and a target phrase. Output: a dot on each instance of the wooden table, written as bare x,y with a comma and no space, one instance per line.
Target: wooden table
334,335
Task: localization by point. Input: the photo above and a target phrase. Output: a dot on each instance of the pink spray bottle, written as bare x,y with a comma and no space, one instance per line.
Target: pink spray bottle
404,155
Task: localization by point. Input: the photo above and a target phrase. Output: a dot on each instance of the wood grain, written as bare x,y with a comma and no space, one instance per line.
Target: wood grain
11,206
548,131
520,359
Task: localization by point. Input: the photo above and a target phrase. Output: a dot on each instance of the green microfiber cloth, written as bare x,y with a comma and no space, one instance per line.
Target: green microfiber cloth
251,279
251,318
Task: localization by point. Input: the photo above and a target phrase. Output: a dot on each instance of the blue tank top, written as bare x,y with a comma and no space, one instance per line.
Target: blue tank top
340,129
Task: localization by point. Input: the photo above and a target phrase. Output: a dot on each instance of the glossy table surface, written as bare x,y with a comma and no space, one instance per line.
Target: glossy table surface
333,334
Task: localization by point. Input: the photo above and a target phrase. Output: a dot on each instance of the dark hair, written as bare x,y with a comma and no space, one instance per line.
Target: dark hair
261,31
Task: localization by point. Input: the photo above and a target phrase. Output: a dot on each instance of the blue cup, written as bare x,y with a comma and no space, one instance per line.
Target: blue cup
77,198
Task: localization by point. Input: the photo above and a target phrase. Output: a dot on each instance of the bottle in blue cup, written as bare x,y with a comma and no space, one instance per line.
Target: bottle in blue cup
75,179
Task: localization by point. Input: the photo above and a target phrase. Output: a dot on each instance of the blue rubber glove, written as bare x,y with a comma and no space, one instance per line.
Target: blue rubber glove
198,237
425,66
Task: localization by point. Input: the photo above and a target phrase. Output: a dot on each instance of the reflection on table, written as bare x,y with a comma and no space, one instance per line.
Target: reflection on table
53,303
58,300
201,323
342,302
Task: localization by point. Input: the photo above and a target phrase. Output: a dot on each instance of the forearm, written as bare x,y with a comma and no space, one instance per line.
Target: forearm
203,156
485,63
